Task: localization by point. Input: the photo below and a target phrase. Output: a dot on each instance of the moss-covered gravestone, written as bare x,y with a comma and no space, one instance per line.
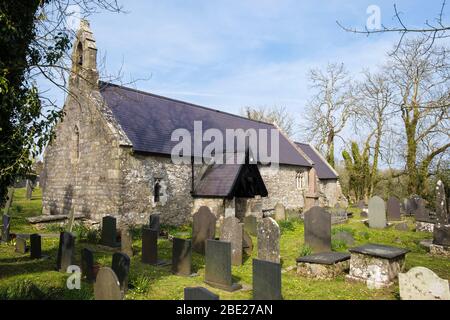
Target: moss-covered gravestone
268,240
232,232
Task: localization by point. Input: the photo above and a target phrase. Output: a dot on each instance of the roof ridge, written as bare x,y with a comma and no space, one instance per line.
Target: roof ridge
103,84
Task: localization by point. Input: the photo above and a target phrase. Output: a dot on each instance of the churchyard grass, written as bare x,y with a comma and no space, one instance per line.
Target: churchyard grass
22,278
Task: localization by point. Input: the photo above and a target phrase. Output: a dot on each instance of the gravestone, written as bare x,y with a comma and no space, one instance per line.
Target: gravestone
66,251
218,265
251,225
232,232
421,212
421,283
280,212
318,229
21,245
377,213
107,285
411,205
393,209
268,240
109,232
154,222
5,228
442,215
87,264
441,232
199,293
182,257
35,246
338,215
150,247
126,241
247,244
266,280
203,228
121,267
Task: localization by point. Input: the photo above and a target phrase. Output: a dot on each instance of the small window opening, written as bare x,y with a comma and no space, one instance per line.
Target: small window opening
80,54
157,191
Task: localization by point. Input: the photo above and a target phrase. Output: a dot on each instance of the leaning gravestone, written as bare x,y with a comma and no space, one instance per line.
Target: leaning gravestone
109,232
232,232
377,213
21,245
182,257
218,265
87,264
421,283
266,280
35,246
199,293
393,209
121,267
107,286
66,251
318,229
5,228
251,225
268,240
126,241
154,222
203,228
280,212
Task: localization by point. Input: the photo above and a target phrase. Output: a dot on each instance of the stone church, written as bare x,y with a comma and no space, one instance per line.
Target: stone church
112,156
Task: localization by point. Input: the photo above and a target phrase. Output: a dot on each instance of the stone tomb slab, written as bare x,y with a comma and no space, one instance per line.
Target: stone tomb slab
266,280
199,293
377,265
326,265
218,266
182,257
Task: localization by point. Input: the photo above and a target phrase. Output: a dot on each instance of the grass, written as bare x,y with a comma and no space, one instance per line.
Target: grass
22,278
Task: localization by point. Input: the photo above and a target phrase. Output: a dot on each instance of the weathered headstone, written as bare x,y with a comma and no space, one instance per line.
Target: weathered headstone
232,232
442,215
377,213
121,267
199,293
251,225
247,244
411,205
107,285
393,209
280,212
421,212
266,280
154,222
218,265
21,245
6,220
35,246
182,257
421,283
268,240
66,251
126,241
109,232
318,229
29,189
203,228
87,264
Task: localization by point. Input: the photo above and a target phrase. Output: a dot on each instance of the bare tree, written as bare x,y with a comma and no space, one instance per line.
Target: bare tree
276,115
329,109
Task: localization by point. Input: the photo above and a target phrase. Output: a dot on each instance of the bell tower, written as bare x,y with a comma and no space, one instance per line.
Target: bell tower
84,58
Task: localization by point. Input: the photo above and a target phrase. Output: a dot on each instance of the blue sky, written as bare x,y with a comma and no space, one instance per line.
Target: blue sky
232,54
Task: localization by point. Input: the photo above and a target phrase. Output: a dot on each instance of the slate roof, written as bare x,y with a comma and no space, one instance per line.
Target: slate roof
149,120
323,169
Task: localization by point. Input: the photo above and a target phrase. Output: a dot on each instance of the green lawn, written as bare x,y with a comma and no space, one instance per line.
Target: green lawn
22,278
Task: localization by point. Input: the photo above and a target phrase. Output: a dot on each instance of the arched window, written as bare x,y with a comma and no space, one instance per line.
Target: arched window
77,142
157,191
79,54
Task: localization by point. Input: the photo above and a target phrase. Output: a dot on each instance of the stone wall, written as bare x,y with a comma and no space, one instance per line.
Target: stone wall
330,193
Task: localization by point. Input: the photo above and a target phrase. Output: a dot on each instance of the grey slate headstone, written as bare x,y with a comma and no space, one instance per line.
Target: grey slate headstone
6,220
149,246
66,251
203,228
393,209
182,257
126,241
35,246
268,240
442,214
21,245
441,235
154,222
421,212
266,280
280,212
107,285
232,232
318,229
377,213
411,205
325,258
251,225
218,265
121,267
87,264
380,251
109,232
199,293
